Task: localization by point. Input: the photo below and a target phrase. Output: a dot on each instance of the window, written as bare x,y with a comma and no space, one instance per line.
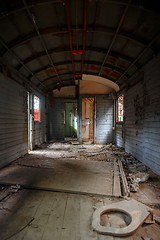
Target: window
36,109
120,108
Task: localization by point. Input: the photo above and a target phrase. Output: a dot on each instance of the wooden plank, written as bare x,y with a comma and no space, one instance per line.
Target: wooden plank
62,216
17,223
54,224
116,181
70,223
86,177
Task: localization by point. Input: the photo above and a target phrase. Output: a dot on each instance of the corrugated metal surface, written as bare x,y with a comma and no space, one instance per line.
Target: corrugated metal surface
13,121
143,117
56,120
104,119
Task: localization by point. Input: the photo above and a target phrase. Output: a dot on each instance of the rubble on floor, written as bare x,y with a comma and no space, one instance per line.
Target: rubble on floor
135,179
55,156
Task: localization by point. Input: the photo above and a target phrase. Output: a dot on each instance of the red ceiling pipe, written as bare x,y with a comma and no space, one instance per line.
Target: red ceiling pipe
77,52
70,37
84,32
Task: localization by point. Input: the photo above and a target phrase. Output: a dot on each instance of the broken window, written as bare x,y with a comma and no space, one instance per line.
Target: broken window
120,108
36,109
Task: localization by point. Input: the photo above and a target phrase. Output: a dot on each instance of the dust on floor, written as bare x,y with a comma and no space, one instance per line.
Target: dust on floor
41,214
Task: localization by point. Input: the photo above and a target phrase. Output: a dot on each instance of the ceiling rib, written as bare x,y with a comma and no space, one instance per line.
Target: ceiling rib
97,11
66,74
52,77
54,86
66,49
70,73
140,55
114,37
52,30
21,62
33,20
95,63
34,3
21,8
70,37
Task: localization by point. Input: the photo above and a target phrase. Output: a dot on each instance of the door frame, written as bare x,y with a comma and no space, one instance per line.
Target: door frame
92,119
30,122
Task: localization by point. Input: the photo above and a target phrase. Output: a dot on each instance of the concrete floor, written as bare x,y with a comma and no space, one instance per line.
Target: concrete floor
59,186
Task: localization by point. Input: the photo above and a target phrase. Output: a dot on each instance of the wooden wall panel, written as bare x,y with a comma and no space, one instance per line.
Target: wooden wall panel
142,126
14,121
119,139
56,120
104,119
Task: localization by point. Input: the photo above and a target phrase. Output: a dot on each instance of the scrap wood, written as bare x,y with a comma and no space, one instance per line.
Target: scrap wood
96,153
125,187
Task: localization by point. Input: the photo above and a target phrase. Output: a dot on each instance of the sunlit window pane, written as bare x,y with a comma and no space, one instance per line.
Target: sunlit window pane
120,108
36,109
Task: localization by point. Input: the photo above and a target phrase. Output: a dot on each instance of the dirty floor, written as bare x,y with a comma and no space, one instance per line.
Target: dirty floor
52,193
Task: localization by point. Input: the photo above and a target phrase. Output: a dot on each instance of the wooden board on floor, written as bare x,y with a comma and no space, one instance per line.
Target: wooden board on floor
47,215
86,177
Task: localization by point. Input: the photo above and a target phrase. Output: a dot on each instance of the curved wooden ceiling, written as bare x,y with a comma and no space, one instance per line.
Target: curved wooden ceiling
51,44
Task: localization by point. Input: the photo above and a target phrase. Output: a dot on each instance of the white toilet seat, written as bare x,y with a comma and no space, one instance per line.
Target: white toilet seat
137,212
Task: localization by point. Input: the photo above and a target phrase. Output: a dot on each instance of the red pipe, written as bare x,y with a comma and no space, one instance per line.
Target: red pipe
84,33
70,36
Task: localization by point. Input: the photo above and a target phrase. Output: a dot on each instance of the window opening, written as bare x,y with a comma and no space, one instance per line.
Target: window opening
36,109
120,108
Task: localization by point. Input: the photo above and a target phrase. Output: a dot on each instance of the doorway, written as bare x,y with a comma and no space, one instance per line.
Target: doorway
88,119
30,122
70,120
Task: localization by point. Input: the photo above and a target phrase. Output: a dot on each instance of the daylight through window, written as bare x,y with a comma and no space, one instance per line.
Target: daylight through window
36,109
120,108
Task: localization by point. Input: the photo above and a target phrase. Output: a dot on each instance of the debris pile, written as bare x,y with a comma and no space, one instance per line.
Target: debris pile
135,179
137,171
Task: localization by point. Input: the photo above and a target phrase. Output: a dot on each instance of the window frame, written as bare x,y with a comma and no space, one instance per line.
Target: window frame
118,115
38,117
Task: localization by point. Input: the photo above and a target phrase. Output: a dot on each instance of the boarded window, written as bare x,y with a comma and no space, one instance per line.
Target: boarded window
36,109
120,108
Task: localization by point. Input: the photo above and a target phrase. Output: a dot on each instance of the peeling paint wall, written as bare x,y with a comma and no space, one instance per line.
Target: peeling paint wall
142,126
